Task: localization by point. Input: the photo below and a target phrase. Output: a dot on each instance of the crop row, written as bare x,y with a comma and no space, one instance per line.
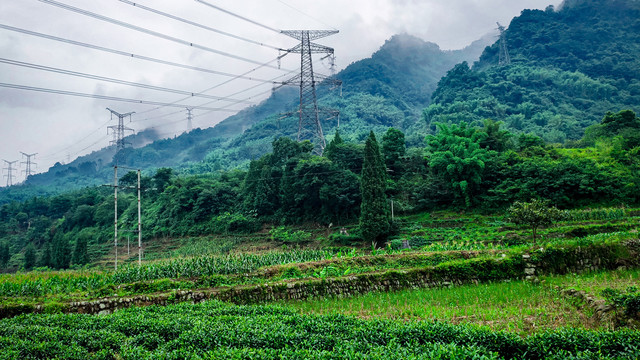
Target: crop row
214,329
33,284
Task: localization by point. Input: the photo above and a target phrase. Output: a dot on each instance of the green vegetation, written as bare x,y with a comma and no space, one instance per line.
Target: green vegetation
213,330
548,145
519,307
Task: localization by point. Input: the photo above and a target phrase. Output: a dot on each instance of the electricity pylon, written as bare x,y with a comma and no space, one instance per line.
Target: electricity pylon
503,58
28,163
309,126
9,169
119,130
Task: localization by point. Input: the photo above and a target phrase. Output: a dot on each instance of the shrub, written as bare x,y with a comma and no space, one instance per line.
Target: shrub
234,223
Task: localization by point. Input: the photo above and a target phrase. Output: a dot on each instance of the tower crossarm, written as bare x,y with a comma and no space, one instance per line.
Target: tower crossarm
313,34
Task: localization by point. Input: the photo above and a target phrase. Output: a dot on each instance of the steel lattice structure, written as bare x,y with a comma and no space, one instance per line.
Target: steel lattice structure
28,163
119,130
309,126
9,169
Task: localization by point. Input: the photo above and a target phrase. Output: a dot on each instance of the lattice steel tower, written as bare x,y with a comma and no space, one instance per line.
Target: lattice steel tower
120,129
28,163
9,169
309,126
503,58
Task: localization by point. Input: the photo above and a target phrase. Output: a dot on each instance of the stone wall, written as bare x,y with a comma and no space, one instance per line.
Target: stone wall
527,266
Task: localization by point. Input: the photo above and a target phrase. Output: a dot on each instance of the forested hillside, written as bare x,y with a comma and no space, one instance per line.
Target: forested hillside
389,89
568,68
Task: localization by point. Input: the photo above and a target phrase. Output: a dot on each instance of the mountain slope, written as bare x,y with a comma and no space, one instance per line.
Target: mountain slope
569,67
388,89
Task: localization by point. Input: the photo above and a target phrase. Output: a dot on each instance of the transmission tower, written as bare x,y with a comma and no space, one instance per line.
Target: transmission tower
119,130
189,119
10,169
504,58
309,126
28,163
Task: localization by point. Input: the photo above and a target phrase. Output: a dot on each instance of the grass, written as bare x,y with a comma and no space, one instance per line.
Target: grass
519,306
593,283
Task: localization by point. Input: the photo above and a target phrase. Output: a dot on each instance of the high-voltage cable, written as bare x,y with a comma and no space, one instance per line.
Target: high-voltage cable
130,55
200,25
116,81
150,32
104,97
239,16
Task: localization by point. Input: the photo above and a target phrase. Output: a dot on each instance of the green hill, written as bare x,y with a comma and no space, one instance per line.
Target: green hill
388,89
569,67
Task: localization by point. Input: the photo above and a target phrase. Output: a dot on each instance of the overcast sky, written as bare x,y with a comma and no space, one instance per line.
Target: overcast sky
62,127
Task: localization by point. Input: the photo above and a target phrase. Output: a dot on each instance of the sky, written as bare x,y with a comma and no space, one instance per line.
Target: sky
235,37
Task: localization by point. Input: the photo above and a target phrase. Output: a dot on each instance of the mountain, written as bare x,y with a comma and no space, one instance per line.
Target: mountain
388,89
569,67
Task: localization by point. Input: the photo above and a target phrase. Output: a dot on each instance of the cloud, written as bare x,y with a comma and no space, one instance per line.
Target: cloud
57,125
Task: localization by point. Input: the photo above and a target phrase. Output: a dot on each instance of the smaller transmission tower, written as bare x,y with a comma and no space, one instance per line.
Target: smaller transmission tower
189,120
28,163
504,58
309,126
10,169
119,131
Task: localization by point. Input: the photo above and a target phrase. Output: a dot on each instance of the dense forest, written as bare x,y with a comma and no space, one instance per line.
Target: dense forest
568,68
462,167
388,89
558,123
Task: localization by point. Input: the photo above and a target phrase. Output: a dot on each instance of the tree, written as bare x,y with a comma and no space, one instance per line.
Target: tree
80,252
45,257
393,149
162,178
375,219
534,214
5,255
30,257
456,156
61,252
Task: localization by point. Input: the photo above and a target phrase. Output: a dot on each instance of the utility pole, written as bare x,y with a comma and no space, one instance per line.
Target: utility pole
9,169
503,58
139,224
309,126
28,163
115,213
119,131
189,119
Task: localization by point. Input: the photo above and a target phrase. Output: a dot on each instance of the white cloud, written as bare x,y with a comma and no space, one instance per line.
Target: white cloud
57,125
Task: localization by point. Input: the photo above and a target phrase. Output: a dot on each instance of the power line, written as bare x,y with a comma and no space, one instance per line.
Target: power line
200,25
307,15
116,81
149,32
130,55
217,86
53,155
239,16
103,97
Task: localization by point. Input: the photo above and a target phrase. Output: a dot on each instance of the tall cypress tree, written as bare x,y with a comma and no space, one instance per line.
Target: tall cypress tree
374,212
30,257
5,255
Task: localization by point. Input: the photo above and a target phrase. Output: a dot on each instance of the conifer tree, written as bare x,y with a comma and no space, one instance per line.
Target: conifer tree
30,257
80,252
374,211
4,254
61,252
